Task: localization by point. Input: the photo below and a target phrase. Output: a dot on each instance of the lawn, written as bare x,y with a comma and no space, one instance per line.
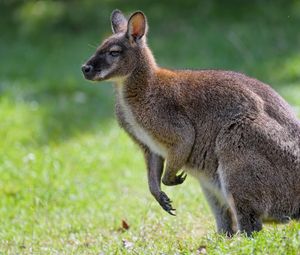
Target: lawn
70,176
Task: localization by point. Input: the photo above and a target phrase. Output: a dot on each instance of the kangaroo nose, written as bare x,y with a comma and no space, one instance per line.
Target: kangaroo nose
87,69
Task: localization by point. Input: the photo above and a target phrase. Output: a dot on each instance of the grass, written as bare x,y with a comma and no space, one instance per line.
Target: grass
69,175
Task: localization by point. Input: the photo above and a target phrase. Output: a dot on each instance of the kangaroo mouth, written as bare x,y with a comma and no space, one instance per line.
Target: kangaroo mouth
93,75
99,76
90,73
89,77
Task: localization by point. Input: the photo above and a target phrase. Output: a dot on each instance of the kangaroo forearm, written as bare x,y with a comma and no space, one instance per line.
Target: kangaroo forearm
155,165
177,158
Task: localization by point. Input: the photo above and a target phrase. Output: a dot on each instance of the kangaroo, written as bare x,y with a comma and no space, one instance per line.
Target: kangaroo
232,132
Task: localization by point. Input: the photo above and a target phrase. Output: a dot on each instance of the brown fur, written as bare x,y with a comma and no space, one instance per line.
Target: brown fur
233,132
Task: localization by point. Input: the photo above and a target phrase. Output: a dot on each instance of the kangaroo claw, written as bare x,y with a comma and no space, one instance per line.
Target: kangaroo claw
178,179
165,203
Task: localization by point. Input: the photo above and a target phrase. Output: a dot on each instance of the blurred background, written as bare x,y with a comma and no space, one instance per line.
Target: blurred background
61,152
44,43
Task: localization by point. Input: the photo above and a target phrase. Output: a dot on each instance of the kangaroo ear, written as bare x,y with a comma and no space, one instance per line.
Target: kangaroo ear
137,26
118,22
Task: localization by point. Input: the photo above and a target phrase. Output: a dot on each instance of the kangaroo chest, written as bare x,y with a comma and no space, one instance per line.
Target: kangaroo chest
135,128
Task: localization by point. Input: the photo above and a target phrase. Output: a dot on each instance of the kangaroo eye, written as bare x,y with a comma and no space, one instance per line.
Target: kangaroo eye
115,53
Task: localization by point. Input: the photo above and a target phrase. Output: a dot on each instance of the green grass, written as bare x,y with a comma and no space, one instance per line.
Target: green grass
69,175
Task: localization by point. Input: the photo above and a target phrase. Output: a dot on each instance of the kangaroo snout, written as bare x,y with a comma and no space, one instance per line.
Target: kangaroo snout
88,71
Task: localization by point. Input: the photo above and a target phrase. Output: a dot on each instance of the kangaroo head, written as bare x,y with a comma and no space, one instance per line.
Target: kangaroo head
119,54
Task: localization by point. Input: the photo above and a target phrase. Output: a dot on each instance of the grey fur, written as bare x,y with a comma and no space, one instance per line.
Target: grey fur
118,22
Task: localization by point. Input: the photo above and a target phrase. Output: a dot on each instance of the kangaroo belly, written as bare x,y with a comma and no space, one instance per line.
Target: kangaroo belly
135,129
145,138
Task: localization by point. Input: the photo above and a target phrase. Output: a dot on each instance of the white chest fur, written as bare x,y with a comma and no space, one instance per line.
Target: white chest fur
136,129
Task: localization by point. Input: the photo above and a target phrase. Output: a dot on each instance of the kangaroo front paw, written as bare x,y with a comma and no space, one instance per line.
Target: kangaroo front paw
165,203
177,179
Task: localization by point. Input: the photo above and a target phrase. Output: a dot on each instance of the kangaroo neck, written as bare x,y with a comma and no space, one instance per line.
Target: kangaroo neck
133,88
144,72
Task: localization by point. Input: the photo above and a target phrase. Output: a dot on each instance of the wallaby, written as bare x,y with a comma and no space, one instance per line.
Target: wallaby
233,132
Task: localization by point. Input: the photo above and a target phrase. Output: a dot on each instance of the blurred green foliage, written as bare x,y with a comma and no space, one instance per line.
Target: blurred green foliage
260,38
